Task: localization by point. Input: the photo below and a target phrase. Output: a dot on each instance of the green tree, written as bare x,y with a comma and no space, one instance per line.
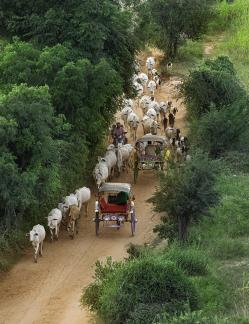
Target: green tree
218,132
86,94
30,159
18,63
178,20
134,291
212,84
91,29
184,195
50,61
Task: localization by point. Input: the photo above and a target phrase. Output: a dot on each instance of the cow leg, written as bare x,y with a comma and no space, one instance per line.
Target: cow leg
72,228
77,226
86,208
57,230
41,246
127,166
36,249
52,235
35,257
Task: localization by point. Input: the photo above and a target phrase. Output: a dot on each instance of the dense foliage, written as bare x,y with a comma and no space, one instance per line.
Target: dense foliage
212,84
168,23
184,195
61,77
30,151
135,290
217,107
91,29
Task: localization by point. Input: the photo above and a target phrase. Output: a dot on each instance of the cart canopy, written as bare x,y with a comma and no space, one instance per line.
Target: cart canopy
151,138
115,187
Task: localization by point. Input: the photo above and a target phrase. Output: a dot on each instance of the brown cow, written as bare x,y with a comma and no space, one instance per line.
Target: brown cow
73,220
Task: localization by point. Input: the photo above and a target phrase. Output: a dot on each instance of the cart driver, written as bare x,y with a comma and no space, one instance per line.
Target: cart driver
122,198
118,133
150,149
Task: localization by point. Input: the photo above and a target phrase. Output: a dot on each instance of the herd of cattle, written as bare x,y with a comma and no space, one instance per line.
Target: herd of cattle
156,115
68,213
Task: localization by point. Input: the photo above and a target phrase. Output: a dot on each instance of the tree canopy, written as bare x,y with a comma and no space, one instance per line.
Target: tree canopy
61,76
91,29
212,84
173,21
184,195
30,154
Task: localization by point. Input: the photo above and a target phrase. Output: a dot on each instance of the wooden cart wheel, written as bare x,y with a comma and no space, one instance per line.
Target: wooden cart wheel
97,221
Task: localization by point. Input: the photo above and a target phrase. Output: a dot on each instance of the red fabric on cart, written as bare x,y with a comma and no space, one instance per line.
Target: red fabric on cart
112,208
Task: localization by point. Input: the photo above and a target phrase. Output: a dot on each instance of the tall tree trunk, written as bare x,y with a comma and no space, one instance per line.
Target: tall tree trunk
175,48
182,228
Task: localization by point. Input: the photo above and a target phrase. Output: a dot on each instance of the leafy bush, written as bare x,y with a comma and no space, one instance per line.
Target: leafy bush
215,292
228,248
92,293
190,50
190,260
188,20
186,318
148,280
185,195
4,264
144,314
136,251
213,84
217,132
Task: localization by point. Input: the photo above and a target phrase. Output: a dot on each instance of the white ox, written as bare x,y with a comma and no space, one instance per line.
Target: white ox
143,78
128,102
133,122
66,203
123,156
100,172
111,159
163,109
164,106
155,105
150,62
170,132
138,88
150,125
83,195
54,221
144,103
152,113
125,112
152,87
37,236
157,80
154,72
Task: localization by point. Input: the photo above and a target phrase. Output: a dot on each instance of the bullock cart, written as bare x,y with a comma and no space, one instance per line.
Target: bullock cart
115,206
149,154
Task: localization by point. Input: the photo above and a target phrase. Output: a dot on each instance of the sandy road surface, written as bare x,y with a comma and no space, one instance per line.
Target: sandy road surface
49,292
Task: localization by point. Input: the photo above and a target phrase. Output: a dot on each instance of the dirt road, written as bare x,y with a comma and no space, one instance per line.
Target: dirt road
49,292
